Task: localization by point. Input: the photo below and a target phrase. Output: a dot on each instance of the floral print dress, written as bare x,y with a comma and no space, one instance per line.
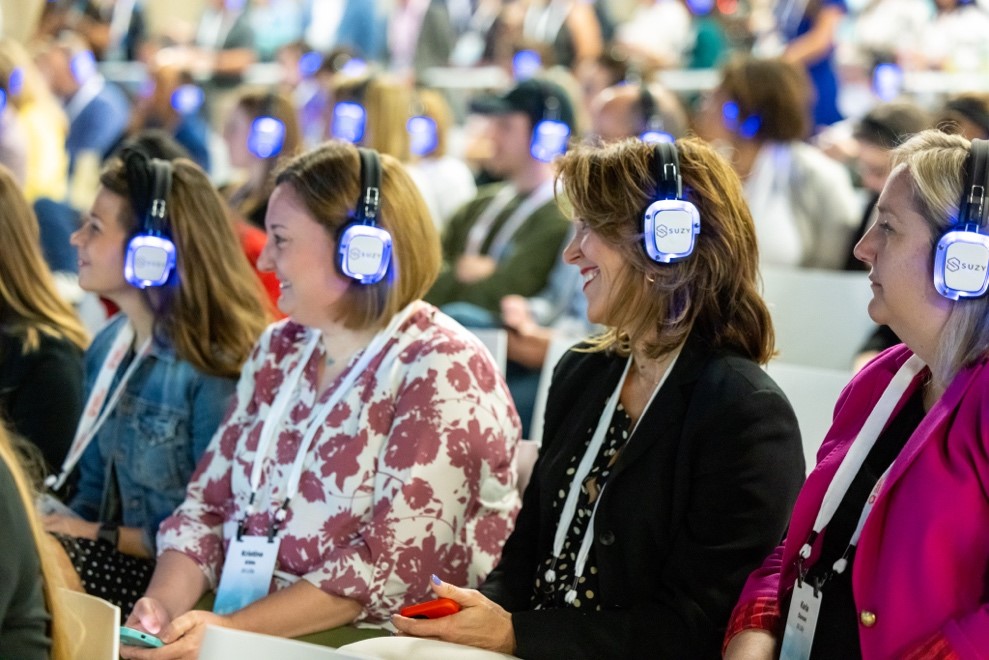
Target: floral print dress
412,473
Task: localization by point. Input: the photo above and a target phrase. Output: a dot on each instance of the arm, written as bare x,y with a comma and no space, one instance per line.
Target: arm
819,41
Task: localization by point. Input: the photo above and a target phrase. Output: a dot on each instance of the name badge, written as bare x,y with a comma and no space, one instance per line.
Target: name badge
801,621
247,572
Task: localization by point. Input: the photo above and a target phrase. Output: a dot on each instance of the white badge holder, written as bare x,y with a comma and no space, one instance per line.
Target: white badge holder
247,572
801,622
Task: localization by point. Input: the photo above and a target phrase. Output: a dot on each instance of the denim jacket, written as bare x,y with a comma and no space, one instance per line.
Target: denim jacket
154,436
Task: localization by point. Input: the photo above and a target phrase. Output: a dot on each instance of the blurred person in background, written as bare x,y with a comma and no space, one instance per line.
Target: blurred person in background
803,203
40,116
445,181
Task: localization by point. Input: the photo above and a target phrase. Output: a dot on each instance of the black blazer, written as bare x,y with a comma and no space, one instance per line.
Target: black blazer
700,494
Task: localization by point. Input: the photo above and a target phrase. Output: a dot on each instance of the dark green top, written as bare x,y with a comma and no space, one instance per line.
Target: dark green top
525,264
23,617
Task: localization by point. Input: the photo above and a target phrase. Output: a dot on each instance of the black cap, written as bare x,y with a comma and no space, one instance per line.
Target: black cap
540,99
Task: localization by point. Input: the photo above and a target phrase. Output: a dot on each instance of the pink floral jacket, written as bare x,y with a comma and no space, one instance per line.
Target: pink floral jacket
412,473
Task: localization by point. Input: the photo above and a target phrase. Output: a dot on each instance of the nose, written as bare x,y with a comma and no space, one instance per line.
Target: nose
266,263
865,249
75,238
572,253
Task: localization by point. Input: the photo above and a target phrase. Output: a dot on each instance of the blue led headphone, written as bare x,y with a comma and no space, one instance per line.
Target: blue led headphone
83,66
349,121
746,127
423,135
150,257
363,247
267,134
670,224
653,128
550,135
961,258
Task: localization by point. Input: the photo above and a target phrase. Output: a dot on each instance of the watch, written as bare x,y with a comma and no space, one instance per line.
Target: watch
109,533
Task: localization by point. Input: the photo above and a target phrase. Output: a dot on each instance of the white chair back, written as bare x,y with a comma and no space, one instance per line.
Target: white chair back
94,626
227,644
557,348
821,317
812,392
496,341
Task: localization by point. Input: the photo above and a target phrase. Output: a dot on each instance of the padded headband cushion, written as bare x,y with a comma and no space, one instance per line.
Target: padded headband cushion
975,175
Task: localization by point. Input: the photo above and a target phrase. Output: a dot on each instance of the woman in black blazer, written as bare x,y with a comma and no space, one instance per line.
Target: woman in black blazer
670,460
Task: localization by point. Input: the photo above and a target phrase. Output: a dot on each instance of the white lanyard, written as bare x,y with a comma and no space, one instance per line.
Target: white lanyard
586,463
475,239
856,456
95,412
316,418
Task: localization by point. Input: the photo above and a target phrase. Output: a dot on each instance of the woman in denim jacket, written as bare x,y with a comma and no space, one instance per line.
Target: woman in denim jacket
158,376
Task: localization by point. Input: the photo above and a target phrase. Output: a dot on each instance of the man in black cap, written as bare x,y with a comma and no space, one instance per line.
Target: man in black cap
507,239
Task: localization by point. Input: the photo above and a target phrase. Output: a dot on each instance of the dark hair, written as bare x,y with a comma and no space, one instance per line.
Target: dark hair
778,92
888,125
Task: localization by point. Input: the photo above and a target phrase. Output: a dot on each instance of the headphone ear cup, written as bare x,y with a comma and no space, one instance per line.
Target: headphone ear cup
364,252
149,261
669,230
961,264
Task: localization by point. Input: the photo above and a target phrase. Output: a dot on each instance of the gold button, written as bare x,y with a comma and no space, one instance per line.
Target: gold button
867,618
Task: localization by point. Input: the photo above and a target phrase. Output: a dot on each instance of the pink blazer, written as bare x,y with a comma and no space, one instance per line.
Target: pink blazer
922,564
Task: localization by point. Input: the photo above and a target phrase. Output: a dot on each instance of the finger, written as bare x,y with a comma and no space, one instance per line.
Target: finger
179,627
416,627
464,597
146,616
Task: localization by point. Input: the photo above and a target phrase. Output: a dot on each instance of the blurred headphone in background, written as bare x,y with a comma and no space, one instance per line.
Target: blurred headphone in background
653,128
423,136
550,135
82,63
961,258
150,257
363,247
670,224
266,136
745,127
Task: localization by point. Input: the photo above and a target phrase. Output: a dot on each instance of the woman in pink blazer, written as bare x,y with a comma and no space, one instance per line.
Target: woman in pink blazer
888,545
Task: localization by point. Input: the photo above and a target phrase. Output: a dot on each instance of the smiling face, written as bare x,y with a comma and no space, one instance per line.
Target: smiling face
898,248
100,243
301,254
601,266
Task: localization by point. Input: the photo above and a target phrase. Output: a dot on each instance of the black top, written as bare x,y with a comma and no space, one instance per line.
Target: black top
41,392
837,624
23,617
699,495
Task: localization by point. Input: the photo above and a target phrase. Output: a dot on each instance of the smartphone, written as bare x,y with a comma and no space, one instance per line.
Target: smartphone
431,609
131,637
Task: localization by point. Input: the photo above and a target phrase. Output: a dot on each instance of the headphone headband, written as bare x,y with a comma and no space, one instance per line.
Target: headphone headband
369,202
666,171
364,248
150,258
670,224
973,207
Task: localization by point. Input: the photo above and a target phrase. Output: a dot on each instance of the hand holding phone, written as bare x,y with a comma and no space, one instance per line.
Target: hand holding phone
431,609
132,637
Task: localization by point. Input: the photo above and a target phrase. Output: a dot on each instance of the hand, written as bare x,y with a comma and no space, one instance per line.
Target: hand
751,644
474,268
69,526
182,637
480,622
515,314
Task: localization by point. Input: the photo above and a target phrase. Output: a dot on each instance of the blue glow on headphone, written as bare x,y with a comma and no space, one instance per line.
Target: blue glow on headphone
422,135
309,63
3,100
747,128
700,7
526,64
83,66
887,81
549,140
16,81
267,137
188,99
234,5
349,121
654,137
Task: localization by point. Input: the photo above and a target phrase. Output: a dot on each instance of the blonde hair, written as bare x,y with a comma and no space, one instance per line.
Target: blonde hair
713,292
387,102
327,181
29,302
214,310
51,576
936,163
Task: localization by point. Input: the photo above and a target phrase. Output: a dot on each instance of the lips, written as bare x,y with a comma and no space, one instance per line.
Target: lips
589,274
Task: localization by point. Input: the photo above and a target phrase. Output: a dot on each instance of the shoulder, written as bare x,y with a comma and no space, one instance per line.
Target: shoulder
429,331
284,338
